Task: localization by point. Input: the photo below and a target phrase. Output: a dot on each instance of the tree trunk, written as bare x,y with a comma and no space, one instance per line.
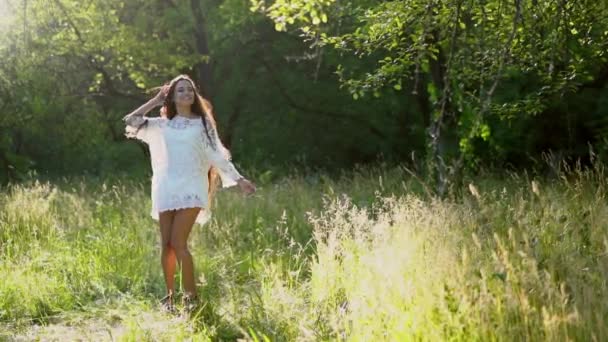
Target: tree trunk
203,70
443,128
238,108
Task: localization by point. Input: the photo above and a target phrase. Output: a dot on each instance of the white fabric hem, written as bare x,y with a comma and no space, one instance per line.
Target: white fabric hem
202,218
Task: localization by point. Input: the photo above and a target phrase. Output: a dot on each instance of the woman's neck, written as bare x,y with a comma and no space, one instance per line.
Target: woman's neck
184,111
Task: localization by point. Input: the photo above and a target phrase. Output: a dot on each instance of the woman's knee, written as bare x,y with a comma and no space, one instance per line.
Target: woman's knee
180,249
180,230
166,246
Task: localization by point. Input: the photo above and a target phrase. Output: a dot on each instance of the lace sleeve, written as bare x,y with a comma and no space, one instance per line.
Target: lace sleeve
219,157
136,126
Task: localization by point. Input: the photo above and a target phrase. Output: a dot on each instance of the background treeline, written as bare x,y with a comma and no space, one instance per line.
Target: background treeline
455,84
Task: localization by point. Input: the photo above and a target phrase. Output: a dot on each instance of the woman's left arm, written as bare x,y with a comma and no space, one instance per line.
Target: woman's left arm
219,157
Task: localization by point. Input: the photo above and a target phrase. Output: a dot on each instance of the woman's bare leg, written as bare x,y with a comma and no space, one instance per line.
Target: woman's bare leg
182,225
168,258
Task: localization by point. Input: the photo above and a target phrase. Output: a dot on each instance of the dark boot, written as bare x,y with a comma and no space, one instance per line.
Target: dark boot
190,303
166,304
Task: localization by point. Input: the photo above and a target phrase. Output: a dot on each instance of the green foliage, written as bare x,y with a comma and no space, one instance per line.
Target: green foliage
309,13
81,68
462,52
449,83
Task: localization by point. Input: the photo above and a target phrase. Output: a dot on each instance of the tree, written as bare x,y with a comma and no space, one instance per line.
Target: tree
454,55
70,70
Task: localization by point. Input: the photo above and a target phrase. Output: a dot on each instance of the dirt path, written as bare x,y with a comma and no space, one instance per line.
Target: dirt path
102,324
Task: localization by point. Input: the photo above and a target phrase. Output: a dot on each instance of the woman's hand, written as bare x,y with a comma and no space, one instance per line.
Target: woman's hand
246,186
135,118
159,99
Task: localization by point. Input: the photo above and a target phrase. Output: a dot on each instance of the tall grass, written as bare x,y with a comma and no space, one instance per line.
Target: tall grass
364,256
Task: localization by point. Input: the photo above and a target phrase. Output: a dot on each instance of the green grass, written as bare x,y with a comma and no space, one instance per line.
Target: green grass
365,256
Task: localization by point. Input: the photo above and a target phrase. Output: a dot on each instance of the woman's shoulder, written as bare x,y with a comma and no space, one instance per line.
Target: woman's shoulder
180,122
177,122
156,120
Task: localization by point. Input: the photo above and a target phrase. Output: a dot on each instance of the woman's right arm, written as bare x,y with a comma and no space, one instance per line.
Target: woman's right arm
136,117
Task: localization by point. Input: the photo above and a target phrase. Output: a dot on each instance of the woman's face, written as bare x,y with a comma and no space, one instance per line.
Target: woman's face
183,94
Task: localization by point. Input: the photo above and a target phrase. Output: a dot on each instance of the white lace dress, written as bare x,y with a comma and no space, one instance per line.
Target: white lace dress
181,154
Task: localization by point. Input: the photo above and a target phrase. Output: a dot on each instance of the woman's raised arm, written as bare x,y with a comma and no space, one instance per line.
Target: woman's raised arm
136,117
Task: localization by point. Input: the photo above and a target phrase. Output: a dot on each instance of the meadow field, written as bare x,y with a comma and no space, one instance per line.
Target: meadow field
367,255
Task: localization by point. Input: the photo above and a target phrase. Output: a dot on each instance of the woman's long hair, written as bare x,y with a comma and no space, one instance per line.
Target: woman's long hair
203,108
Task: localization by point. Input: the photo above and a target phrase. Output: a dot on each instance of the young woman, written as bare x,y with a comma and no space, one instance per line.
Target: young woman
187,157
